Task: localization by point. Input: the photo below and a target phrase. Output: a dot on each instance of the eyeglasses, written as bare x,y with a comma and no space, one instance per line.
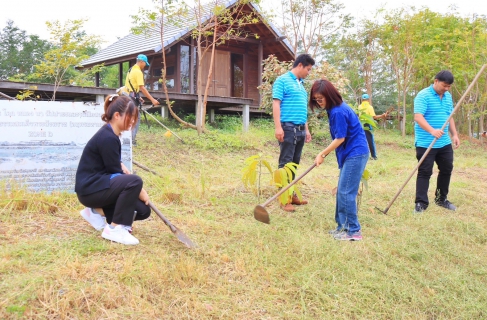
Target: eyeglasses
319,100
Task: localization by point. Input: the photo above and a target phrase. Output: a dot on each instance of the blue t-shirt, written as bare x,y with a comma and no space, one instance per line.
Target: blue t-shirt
294,98
344,123
435,111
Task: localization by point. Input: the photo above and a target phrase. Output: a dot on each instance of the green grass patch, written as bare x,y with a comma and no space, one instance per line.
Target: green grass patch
53,265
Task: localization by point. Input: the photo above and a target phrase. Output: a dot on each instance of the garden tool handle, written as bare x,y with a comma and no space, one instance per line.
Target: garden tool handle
169,224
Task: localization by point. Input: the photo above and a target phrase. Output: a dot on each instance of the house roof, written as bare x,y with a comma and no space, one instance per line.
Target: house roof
150,42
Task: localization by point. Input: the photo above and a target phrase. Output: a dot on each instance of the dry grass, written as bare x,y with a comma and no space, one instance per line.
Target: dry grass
53,265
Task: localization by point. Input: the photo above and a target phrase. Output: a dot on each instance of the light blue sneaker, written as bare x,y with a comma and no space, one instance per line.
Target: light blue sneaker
345,236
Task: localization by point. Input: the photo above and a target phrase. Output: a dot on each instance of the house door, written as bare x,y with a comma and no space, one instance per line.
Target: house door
221,76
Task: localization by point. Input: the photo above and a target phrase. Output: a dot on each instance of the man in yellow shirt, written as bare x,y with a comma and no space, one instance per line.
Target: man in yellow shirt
134,84
366,107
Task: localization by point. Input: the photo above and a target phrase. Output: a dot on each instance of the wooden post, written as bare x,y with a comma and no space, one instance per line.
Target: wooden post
246,117
260,56
192,57
97,79
245,74
212,115
120,74
164,112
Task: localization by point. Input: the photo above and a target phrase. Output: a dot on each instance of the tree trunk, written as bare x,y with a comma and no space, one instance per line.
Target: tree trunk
164,86
404,114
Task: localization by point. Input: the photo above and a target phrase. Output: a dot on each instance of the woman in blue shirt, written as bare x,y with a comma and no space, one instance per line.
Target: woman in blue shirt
352,153
102,181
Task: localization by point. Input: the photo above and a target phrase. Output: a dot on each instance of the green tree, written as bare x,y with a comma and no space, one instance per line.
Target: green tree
309,23
19,52
71,45
401,37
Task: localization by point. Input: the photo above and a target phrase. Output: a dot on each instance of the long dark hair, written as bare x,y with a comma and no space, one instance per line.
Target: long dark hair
328,91
122,105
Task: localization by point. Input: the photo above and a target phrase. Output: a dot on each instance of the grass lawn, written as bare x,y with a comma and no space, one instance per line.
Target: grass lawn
53,265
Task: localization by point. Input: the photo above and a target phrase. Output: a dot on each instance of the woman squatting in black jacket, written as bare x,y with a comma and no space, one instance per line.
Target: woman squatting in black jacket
104,183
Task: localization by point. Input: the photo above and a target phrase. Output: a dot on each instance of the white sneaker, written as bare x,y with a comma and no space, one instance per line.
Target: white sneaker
96,220
119,234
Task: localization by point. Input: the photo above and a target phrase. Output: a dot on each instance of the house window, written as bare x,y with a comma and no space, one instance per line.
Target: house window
157,72
184,63
195,78
170,83
237,75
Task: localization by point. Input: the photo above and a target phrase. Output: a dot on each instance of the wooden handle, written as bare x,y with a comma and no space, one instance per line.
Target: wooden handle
169,224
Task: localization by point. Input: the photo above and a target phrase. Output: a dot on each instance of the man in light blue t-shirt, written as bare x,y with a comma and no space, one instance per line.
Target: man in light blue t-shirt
290,112
432,108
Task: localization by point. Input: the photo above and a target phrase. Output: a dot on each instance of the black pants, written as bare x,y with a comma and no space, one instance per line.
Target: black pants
120,201
371,142
292,146
444,160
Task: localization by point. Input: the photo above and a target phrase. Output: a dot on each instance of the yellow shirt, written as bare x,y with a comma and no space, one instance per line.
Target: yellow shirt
136,77
366,107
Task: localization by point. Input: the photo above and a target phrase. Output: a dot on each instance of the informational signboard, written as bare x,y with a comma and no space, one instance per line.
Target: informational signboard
41,142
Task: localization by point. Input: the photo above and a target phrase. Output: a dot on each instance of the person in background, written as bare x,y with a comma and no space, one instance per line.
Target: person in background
352,153
290,112
134,84
432,107
366,107
102,181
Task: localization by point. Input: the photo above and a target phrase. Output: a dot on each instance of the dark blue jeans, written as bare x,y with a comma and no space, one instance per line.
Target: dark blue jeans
371,142
346,199
292,146
444,160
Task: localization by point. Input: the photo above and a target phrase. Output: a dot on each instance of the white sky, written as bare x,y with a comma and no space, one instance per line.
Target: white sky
111,19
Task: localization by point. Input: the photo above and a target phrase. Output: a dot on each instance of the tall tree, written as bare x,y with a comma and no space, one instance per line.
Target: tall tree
357,54
308,23
71,45
401,38
19,52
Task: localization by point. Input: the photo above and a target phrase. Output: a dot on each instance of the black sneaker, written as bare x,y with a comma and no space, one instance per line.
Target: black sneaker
419,208
446,204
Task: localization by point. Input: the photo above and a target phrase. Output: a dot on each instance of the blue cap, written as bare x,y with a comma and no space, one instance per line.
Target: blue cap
142,57
365,96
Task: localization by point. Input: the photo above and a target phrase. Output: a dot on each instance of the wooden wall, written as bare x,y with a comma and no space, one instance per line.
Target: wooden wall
253,79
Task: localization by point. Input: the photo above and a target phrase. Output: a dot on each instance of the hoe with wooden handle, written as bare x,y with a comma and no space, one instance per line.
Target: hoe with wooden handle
261,214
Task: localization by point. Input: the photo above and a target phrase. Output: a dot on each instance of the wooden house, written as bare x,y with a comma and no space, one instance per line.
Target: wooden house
236,72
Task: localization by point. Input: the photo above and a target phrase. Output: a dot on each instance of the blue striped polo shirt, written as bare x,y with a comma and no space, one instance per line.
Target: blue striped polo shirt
435,111
294,98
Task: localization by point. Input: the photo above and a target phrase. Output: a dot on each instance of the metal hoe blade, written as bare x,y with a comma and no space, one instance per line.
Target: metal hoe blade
261,214
184,238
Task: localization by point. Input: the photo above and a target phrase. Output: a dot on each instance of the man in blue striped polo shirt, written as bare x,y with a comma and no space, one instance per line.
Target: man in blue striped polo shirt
290,112
432,107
